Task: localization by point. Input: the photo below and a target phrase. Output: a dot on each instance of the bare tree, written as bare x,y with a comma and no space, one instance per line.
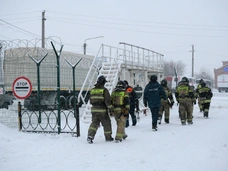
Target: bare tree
170,65
204,74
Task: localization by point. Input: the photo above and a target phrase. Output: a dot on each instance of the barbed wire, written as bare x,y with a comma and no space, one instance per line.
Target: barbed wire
16,43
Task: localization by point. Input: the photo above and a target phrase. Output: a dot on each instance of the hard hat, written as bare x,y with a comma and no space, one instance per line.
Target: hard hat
164,82
203,84
201,80
185,79
101,80
121,85
125,81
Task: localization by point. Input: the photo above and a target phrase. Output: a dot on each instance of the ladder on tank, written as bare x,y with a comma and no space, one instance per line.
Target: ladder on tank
110,70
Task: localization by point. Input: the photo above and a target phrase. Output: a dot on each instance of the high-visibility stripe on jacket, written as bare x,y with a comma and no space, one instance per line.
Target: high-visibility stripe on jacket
169,96
96,96
205,94
100,99
184,92
120,99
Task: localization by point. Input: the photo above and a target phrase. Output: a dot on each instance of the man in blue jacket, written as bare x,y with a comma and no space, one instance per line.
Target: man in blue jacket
152,98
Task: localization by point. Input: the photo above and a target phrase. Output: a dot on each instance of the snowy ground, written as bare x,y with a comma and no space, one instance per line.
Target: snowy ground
202,146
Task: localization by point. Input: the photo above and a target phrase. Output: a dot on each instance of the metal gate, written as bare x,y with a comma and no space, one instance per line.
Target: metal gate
47,121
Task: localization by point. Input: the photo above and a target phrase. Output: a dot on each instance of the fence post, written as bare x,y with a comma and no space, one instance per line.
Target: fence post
58,84
77,120
76,106
19,116
38,82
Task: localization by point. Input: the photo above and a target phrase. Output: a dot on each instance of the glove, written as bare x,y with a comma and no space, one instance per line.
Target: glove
126,116
111,114
208,96
177,102
145,104
124,111
194,102
171,104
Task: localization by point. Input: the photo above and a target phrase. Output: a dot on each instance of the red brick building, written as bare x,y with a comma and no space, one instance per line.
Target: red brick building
221,75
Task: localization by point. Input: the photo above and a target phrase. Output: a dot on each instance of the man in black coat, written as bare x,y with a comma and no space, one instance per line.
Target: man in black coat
152,98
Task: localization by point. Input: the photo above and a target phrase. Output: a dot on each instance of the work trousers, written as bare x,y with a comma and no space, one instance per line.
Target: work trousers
165,108
120,121
185,109
105,120
154,115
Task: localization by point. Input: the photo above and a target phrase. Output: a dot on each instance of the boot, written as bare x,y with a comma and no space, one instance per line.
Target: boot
118,140
190,122
109,139
159,119
205,114
134,122
127,123
125,136
154,126
90,140
166,120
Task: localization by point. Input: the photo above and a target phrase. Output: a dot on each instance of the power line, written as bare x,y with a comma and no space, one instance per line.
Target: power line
174,34
15,29
138,25
139,21
20,28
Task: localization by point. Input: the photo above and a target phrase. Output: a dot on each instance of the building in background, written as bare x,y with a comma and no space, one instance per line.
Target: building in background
221,77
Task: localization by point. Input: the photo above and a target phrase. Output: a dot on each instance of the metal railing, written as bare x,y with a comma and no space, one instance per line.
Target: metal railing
130,57
28,121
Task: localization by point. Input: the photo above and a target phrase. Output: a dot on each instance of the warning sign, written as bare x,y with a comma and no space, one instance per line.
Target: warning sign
22,87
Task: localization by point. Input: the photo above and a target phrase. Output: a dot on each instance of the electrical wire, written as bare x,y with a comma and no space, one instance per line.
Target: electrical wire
123,29
20,29
137,25
138,21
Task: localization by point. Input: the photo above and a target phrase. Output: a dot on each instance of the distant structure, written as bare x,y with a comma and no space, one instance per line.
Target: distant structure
221,77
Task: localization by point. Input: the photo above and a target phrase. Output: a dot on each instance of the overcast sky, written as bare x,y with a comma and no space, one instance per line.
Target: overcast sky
169,27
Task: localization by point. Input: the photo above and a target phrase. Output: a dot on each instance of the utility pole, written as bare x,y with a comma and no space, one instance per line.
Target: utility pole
84,47
193,60
43,29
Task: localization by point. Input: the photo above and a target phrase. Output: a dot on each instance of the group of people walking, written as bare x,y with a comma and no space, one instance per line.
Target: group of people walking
123,101
118,105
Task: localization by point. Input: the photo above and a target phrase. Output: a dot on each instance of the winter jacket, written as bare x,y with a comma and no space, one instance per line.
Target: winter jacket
132,96
153,94
100,99
120,101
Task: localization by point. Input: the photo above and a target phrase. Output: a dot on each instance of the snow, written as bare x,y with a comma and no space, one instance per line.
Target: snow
202,146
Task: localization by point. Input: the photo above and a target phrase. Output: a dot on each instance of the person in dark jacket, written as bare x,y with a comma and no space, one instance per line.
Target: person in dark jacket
133,101
152,96
101,107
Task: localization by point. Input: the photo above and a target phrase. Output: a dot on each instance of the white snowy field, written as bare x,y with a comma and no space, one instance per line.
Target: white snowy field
202,146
